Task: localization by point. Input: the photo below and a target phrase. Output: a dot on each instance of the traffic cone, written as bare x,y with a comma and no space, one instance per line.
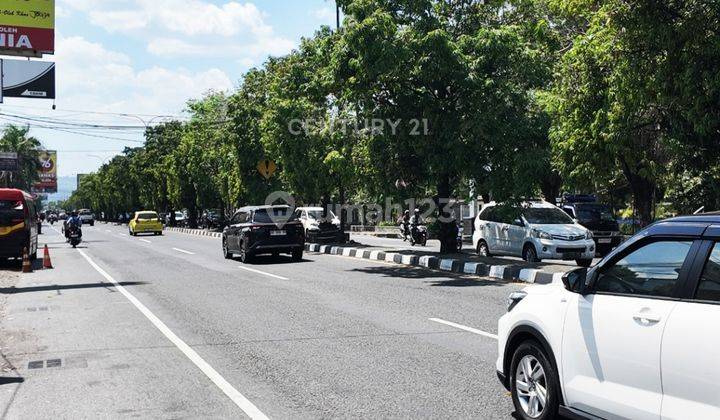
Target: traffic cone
46,258
26,266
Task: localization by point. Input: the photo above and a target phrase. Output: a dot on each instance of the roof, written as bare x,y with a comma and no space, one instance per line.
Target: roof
531,203
254,208
712,217
146,211
13,194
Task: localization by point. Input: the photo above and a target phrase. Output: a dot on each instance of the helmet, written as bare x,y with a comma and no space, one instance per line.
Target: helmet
73,213
406,212
417,211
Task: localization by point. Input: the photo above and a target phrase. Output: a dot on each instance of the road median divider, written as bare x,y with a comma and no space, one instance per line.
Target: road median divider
459,265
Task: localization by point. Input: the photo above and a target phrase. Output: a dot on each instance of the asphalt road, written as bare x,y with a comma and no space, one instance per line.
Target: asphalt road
190,334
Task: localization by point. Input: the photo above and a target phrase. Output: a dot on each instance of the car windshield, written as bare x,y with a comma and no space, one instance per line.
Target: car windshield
595,212
178,215
85,213
318,214
273,215
546,216
147,216
10,211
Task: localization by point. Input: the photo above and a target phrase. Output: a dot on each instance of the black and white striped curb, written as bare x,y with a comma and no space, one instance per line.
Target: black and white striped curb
200,232
502,272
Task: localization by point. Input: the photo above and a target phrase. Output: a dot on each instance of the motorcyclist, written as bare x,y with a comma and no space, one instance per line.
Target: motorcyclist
73,220
415,221
405,224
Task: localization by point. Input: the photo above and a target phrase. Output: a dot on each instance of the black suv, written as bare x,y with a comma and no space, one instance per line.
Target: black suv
263,230
598,218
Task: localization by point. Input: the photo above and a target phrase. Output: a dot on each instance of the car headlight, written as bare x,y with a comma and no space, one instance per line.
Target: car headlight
540,234
514,299
588,235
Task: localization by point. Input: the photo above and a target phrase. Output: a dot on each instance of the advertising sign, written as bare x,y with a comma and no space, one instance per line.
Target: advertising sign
28,79
27,27
47,172
8,161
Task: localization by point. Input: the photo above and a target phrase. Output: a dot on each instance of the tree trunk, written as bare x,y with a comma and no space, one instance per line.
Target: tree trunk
550,186
643,190
448,228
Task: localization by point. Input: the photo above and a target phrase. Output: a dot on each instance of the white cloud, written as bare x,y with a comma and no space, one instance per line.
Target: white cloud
172,47
93,77
325,13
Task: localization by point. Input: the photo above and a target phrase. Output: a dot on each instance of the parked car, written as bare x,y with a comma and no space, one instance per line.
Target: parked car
597,217
534,230
629,338
263,230
145,222
87,217
18,224
319,227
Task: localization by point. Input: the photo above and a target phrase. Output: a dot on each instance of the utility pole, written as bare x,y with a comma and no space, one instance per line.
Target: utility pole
337,15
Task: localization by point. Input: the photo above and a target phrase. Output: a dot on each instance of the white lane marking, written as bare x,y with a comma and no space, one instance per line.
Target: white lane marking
122,234
144,240
262,272
108,230
239,399
463,327
183,251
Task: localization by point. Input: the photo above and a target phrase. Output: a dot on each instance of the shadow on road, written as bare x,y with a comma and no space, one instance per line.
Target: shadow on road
272,260
11,380
402,271
15,290
464,282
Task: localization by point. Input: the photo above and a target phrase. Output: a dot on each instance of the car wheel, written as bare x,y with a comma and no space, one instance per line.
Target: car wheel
226,251
245,255
534,383
482,249
584,263
529,254
297,254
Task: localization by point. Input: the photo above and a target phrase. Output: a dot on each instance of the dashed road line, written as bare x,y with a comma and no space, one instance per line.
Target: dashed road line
144,240
183,251
264,273
465,328
239,399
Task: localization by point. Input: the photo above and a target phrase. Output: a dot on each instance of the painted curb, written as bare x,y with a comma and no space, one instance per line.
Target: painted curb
499,272
198,232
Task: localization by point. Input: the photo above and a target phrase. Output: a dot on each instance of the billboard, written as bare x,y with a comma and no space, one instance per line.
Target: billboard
27,79
47,172
27,27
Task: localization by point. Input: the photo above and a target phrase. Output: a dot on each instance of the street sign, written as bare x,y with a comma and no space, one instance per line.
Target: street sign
27,27
28,79
8,161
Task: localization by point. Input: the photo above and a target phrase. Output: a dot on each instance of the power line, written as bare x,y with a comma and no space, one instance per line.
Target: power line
123,114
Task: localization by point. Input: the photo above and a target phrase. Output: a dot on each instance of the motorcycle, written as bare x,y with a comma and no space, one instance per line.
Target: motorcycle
52,219
74,235
418,235
459,239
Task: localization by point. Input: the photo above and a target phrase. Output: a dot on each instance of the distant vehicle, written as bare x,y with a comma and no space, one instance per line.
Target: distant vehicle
258,230
62,216
180,219
535,230
319,228
87,217
212,219
597,217
629,338
74,235
18,224
145,222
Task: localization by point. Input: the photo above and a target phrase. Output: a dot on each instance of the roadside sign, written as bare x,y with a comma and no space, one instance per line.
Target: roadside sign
47,172
27,27
28,79
8,161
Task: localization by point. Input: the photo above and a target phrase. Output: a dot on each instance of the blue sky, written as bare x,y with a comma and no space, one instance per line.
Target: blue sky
150,57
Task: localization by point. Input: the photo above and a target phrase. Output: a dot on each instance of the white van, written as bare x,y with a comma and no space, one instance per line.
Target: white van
535,231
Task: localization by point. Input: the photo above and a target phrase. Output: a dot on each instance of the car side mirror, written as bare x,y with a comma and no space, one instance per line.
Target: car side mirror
518,222
574,280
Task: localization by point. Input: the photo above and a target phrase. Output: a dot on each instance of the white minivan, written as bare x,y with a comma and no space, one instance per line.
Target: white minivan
534,230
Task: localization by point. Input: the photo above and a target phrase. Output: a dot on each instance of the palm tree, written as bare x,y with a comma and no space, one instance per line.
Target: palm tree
16,139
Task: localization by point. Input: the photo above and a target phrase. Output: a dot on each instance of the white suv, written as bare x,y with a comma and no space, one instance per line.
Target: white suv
535,230
633,337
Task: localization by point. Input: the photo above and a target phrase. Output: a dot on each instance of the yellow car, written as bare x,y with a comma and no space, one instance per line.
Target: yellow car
145,222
